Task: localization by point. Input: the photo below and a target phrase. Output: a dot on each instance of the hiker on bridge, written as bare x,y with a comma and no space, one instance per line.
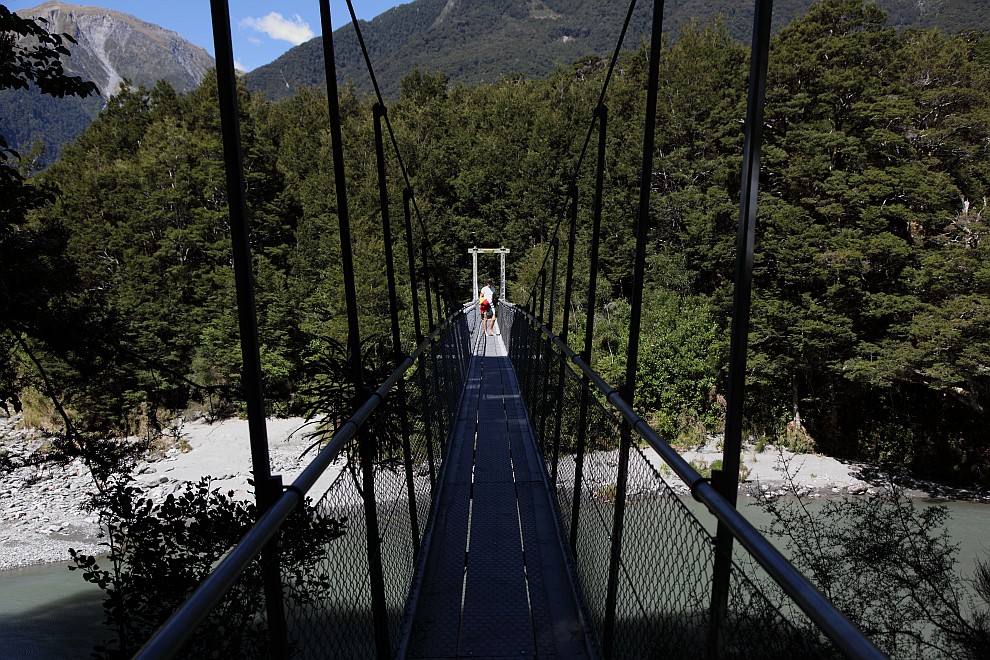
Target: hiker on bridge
487,309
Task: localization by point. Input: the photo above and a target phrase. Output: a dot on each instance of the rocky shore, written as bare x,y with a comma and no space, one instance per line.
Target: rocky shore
41,513
42,503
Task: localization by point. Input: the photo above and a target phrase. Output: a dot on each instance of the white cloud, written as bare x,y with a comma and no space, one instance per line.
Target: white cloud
294,30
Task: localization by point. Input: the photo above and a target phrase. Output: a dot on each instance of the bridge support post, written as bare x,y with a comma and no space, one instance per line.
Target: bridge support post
424,248
721,573
474,273
474,252
549,375
437,361
418,329
565,323
267,488
543,293
379,111
379,606
537,366
635,317
555,246
727,480
501,289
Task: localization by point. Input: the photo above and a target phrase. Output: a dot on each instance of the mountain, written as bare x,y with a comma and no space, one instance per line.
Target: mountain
111,47
476,41
472,41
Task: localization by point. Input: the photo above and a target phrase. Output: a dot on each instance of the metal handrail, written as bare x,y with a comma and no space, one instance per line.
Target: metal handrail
177,630
846,636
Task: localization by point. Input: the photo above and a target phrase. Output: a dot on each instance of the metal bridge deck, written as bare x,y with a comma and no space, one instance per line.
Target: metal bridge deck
495,583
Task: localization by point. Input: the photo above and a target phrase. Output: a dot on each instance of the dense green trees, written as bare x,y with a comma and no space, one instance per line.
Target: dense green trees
864,200
36,278
869,334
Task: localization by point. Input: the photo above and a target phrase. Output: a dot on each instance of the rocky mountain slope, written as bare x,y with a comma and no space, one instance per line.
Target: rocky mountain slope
112,47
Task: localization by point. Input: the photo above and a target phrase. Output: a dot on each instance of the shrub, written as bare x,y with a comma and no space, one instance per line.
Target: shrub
160,552
888,566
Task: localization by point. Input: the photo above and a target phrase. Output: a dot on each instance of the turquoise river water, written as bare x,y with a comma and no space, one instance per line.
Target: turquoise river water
49,612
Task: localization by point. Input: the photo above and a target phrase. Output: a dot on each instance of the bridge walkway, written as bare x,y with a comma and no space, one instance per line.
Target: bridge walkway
495,584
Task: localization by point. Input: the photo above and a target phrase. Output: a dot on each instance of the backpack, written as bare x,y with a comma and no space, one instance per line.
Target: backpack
485,306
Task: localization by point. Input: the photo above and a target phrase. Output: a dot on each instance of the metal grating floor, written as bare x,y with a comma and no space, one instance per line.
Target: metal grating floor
494,583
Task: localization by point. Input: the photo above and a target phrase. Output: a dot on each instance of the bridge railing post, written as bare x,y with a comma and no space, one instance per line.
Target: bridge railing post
601,113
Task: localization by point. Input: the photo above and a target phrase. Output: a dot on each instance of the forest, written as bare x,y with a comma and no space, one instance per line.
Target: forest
870,331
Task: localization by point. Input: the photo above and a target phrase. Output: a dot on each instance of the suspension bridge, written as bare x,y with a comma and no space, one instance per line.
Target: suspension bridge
522,509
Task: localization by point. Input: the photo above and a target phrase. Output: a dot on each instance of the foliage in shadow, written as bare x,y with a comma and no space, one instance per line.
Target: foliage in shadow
888,565
160,552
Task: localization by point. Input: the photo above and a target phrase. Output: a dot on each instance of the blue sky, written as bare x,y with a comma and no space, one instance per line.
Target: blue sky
261,30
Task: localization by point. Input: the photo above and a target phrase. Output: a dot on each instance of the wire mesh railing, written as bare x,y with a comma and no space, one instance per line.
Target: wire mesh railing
327,581
337,585
661,573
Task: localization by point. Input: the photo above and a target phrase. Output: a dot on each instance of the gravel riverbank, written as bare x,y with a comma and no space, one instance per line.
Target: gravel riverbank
42,511
41,503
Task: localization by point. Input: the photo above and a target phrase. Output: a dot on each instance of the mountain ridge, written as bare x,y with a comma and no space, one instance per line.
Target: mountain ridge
466,38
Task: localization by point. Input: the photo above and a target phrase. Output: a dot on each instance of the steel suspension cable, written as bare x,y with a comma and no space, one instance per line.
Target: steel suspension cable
391,133
601,96
594,119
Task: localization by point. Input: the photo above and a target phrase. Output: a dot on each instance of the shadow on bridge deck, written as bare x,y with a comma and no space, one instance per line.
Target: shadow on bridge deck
495,583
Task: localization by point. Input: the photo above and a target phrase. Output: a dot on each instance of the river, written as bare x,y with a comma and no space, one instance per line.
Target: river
49,612
969,527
